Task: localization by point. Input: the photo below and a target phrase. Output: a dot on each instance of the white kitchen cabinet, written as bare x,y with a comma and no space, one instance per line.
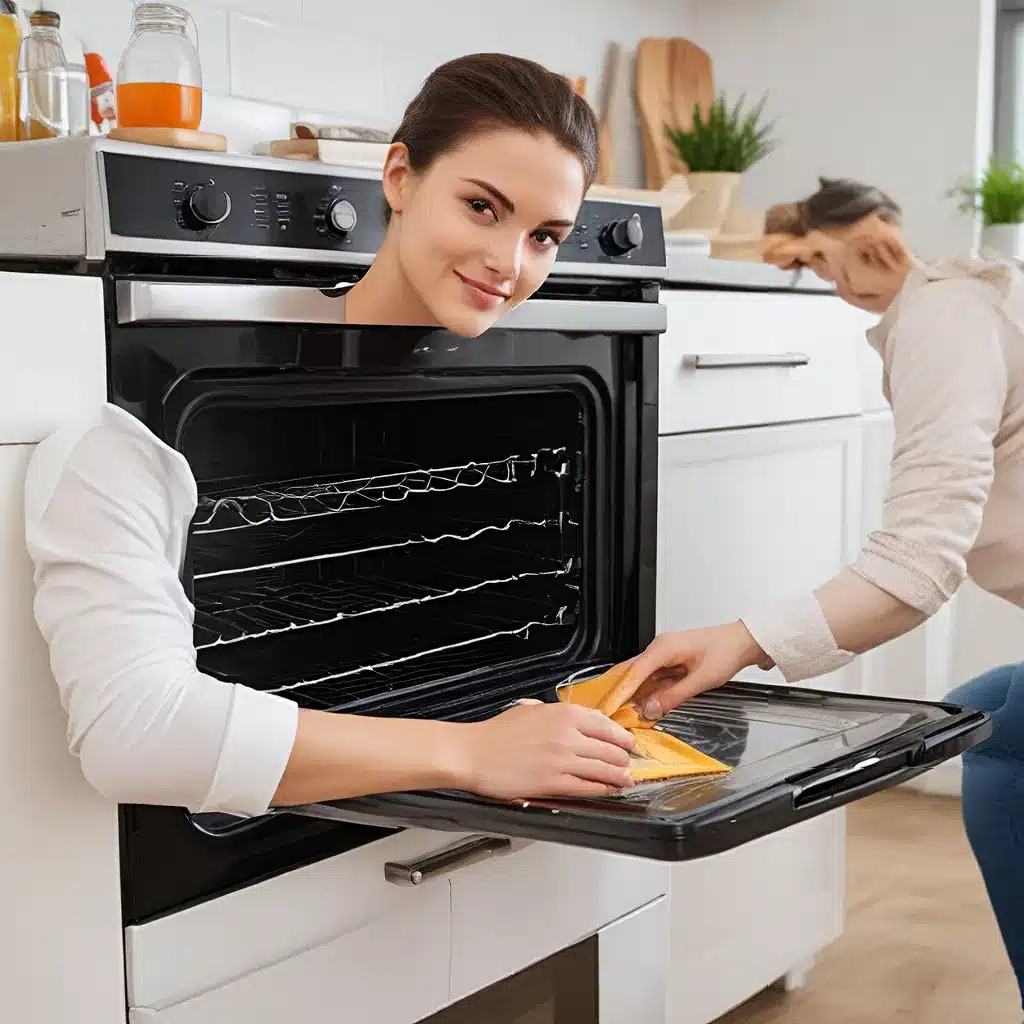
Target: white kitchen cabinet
60,921
735,359
334,938
549,897
58,851
743,919
747,517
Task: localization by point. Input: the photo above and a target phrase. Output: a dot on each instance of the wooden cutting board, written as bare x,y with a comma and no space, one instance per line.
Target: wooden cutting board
672,74
692,81
653,105
176,138
606,137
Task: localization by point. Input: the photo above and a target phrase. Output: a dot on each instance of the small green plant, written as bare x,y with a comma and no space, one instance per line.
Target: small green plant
724,138
998,197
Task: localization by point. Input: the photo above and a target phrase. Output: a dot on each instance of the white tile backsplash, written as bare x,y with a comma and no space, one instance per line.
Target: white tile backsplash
364,60
298,65
245,122
211,25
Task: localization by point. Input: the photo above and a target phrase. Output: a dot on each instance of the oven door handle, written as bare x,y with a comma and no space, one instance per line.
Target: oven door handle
141,302
459,855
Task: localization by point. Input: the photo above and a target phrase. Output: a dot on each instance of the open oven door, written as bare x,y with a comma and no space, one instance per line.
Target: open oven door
794,753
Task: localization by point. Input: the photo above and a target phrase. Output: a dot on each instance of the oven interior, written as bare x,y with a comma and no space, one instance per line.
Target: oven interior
346,551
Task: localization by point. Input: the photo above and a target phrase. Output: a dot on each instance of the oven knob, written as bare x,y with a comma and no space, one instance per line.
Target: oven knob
622,236
341,217
206,208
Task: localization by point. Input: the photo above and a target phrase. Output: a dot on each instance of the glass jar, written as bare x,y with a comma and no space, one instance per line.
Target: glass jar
43,80
78,100
159,79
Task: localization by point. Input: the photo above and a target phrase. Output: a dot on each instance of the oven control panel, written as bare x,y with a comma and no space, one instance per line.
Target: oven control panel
196,203
163,204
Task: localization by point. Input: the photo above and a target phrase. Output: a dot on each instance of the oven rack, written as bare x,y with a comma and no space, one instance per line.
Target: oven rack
382,545
274,608
306,499
376,669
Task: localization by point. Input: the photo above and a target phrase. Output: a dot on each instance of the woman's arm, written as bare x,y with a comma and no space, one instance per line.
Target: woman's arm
948,385
106,517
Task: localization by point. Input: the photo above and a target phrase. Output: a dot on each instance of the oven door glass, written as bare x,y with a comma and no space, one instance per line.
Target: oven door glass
563,989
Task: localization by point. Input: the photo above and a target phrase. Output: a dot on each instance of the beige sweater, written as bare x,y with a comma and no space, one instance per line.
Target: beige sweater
952,348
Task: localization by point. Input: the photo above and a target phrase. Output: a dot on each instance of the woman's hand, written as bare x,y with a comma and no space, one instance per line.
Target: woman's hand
546,750
678,666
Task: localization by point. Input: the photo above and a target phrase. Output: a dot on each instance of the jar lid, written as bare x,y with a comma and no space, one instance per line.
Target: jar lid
49,19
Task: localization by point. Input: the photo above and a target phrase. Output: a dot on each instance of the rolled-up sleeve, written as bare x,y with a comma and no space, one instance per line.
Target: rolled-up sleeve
948,385
107,512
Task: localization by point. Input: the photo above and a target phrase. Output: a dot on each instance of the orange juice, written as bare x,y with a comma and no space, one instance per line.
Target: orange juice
10,41
159,105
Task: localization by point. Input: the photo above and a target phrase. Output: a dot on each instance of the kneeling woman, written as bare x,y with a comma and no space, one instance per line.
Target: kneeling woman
952,345
483,179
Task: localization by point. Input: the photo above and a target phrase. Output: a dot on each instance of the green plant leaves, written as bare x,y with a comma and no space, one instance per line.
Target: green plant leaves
726,139
998,197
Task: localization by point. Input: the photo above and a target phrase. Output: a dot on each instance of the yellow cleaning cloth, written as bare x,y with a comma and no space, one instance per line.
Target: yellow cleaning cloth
658,756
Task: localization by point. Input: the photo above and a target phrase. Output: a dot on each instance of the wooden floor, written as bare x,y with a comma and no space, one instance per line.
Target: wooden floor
920,943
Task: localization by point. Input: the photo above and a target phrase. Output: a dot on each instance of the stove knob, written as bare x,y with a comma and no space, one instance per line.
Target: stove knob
207,207
341,217
622,236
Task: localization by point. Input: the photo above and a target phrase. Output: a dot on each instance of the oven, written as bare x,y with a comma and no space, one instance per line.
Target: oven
399,521
393,521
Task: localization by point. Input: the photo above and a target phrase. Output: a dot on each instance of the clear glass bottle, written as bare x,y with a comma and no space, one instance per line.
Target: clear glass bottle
43,80
78,100
159,79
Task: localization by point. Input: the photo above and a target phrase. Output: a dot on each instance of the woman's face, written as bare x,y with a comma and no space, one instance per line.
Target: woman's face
477,232
867,261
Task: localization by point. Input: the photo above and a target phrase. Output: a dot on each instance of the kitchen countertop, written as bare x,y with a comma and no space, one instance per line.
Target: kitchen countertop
695,269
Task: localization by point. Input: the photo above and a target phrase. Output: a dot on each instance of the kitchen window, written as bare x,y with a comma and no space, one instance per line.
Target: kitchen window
1009,91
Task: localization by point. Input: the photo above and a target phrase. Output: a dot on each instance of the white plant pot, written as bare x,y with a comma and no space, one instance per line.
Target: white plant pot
713,195
1003,241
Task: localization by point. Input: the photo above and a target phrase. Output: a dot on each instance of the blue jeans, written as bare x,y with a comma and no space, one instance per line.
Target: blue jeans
993,800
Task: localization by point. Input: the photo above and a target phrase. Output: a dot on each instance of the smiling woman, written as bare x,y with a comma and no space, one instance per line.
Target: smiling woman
483,180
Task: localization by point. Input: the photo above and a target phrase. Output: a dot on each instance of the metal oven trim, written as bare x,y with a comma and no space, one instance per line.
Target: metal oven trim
149,301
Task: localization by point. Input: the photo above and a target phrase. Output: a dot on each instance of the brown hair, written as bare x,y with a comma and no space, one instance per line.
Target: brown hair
838,203
486,91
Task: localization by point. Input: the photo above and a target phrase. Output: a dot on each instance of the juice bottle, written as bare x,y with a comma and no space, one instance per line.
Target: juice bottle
10,45
103,107
159,79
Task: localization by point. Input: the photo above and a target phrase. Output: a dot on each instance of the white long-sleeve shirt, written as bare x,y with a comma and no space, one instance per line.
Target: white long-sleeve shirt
952,348
107,508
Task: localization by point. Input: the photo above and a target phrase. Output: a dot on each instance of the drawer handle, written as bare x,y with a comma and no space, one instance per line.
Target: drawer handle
734,360
460,855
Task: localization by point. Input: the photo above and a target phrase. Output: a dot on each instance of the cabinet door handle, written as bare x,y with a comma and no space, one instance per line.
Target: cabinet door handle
459,855
734,360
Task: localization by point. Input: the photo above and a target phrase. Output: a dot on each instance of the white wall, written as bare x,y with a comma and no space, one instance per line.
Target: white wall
894,92
363,59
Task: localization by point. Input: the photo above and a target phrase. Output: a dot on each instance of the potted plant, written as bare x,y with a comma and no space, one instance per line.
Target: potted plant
723,143
998,199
